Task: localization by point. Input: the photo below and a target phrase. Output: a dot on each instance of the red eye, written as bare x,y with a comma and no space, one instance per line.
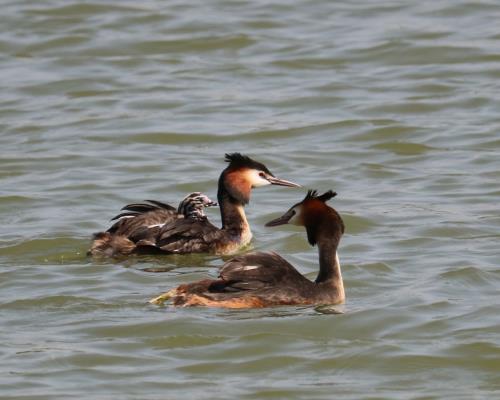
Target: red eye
262,174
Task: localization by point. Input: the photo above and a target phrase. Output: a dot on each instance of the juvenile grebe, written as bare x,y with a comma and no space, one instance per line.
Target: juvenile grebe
140,222
154,213
185,235
265,279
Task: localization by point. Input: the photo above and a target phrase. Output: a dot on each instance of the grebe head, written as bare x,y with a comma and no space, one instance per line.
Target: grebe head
193,205
243,174
312,212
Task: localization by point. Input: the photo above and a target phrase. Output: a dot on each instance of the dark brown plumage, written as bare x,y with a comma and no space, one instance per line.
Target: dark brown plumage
264,279
156,228
140,223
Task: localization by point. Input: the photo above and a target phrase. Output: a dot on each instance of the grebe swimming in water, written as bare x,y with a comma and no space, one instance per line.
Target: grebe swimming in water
188,235
262,279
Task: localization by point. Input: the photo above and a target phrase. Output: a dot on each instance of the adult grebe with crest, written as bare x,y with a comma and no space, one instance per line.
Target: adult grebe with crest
263,279
192,235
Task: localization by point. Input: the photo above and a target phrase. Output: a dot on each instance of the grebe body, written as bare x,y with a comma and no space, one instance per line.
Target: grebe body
192,235
263,279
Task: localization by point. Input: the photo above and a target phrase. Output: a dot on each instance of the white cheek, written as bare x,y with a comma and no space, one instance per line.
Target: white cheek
257,180
295,220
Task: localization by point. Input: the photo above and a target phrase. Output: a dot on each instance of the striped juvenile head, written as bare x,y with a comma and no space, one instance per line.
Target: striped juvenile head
193,205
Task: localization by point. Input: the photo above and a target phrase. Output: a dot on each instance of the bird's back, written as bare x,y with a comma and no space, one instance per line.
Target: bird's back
258,279
185,235
130,226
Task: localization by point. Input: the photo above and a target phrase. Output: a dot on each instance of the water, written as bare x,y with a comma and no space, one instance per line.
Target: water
392,104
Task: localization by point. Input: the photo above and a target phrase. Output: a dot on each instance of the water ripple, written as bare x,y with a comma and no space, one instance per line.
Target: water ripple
393,104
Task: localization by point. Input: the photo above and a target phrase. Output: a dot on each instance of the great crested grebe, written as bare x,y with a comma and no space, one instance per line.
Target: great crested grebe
141,221
186,235
262,279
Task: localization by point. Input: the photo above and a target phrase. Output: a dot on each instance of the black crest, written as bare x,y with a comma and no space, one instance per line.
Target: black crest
313,194
238,160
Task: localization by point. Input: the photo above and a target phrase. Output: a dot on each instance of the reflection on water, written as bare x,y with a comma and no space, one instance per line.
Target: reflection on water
391,104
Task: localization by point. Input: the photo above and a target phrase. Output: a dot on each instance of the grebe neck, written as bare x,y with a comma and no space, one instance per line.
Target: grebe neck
329,265
234,220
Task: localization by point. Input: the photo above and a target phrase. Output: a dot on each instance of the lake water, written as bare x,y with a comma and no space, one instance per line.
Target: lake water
393,104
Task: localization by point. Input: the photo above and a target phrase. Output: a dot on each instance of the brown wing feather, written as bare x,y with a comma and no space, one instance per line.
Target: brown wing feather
257,271
188,236
150,205
162,205
253,280
131,226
